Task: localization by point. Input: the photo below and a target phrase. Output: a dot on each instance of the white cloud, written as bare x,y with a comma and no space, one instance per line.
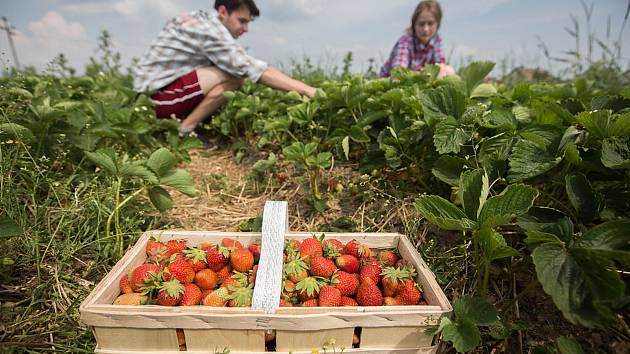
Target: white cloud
131,9
54,26
291,10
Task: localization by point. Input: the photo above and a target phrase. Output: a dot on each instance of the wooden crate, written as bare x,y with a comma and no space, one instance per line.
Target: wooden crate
201,329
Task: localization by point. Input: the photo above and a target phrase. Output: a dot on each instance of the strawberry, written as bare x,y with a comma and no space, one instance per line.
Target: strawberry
369,294
288,288
296,270
357,249
390,301
254,248
408,293
197,258
224,273
329,296
144,278
228,242
206,279
251,275
370,271
346,283
332,248
240,296
217,298
348,301
191,296
387,257
237,280
310,303
309,248
124,285
131,299
175,246
308,288
402,262
170,293
242,260
291,247
322,267
285,303
180,270
156,251
217,257
205,293
348,263
372,261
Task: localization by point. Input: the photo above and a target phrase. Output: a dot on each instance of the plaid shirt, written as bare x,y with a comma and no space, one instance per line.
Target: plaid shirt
410,53
191,41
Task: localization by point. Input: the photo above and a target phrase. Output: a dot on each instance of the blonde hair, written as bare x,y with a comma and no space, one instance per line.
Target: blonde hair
427,5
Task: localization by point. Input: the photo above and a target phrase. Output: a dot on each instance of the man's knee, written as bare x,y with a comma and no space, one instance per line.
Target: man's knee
211,78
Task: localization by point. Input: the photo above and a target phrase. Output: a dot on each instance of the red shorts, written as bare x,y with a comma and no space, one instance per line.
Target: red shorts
178,98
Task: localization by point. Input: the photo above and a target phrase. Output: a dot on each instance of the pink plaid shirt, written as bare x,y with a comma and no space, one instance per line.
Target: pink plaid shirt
410,53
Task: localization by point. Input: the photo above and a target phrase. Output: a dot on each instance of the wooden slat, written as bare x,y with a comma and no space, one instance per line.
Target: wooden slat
130,339
308,340
395,337
215,340
426,350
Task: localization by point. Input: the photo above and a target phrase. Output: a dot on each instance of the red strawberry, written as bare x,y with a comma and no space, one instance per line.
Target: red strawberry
156,250
308,288
217,257
310,303
369,294
401,262
346,283
228,242
180,270
329,296
191,296
408,293
206,279
144,277
322,267
288,289
285,303
254,248
224,273
197,258
310,247
332,248
242,260
217,298
387,257
357,249
124,285
372,261
175,246
348,263
170,293
370,271
205,293
348,301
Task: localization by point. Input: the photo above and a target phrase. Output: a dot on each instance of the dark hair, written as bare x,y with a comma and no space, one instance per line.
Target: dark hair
427,5
231,5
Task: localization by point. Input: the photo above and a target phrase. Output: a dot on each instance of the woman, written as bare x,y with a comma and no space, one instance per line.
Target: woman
421,44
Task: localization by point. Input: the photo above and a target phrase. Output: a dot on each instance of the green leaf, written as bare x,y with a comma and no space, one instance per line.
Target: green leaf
464,335
499,119
483,91
616,153
358,134
529,160
477,310
474,74
443,213
494,246
449,136
474,189
9,228
620,126
578,281
181,180
448,169
522,114
582,196
323,159
568,345
515,200
442,102
345,144
138,170
160,198
105,159
609,239
547,220
596,122
537,238
15,132
161,161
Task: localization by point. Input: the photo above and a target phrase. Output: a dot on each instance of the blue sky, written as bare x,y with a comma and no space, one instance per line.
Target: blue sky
323,30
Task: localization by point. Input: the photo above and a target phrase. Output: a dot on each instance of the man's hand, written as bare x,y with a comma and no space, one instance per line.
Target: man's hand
277,80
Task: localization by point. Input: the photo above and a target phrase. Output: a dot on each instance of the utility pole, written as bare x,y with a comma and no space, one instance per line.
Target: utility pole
9,29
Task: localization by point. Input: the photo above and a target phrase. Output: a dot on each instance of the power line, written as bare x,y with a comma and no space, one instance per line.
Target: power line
10,33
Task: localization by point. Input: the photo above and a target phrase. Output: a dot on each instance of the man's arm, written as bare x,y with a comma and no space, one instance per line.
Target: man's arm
276,79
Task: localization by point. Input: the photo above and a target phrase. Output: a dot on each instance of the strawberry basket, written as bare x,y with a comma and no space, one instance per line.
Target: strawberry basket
265,326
